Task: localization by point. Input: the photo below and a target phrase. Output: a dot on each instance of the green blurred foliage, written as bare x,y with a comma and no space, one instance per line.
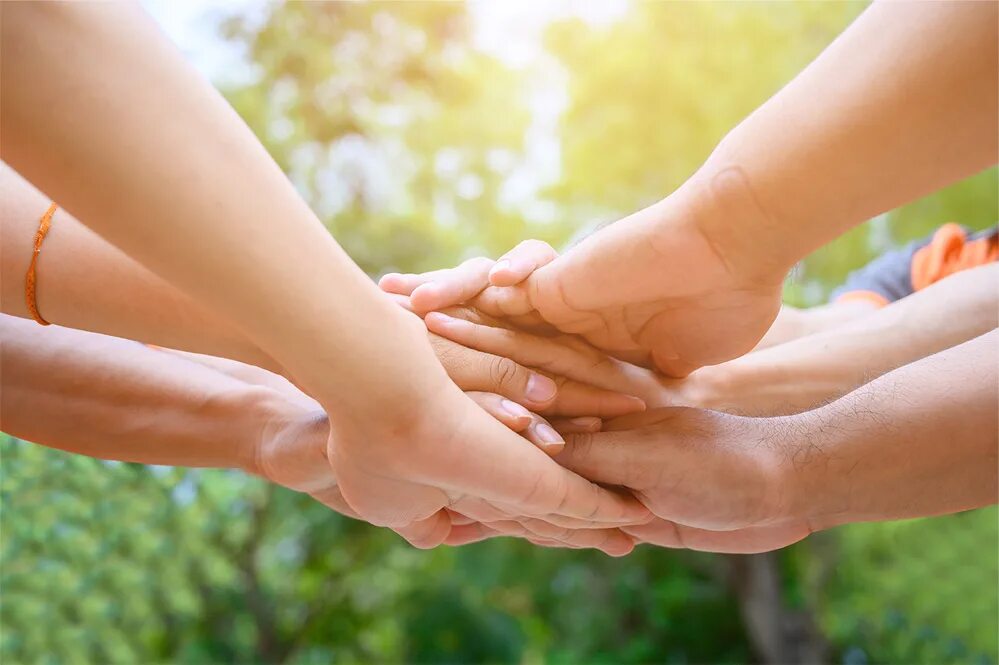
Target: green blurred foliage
412,144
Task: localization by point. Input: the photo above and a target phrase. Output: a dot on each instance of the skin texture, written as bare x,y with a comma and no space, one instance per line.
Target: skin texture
114,399
731,483
200,203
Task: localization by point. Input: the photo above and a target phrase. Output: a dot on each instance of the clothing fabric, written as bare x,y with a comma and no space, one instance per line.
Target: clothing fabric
901,272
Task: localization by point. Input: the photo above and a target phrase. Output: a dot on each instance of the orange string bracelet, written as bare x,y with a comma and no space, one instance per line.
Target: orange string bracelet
29,279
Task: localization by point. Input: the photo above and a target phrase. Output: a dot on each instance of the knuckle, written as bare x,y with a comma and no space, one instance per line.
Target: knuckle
503,372
580,445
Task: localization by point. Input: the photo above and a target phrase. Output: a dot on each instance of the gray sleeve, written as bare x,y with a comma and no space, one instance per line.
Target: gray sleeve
889,275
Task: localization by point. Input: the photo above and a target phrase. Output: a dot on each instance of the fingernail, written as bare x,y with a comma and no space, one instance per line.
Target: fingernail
547,435
514,409
586,421
540,388
637,403
548,439
447,321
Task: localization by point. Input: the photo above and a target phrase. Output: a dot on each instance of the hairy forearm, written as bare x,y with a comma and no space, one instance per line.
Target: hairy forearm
84,282
813,370
172,176
116,399
902,103
921,440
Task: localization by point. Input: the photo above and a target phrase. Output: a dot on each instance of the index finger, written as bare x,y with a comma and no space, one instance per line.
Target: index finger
516,265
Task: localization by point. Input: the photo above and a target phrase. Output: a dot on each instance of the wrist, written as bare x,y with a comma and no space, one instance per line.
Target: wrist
385,378
728,211
811,461
271,419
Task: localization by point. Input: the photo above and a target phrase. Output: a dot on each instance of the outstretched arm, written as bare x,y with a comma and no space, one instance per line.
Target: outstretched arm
918,441
811,371
84,282
903,102
115,399
170,175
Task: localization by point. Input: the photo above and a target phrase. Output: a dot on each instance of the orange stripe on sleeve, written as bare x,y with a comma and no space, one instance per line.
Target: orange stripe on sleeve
871,297
949,252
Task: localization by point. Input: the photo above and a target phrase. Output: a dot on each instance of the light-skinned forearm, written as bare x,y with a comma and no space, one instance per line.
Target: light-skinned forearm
921,440
813,370
170,174
116,399
903,102
86,283
793,323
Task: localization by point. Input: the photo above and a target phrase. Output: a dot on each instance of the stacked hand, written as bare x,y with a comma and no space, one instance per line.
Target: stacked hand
703,474
691,281
680,297
292,451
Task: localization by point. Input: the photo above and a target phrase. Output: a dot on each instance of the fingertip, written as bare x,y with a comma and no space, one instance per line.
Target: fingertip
430,532
436,320
621,546
426,297
541,390
553,449
617,405
580,425
548,439
450,327
510,272
634,404
588,423
392,282
500,275
519,417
